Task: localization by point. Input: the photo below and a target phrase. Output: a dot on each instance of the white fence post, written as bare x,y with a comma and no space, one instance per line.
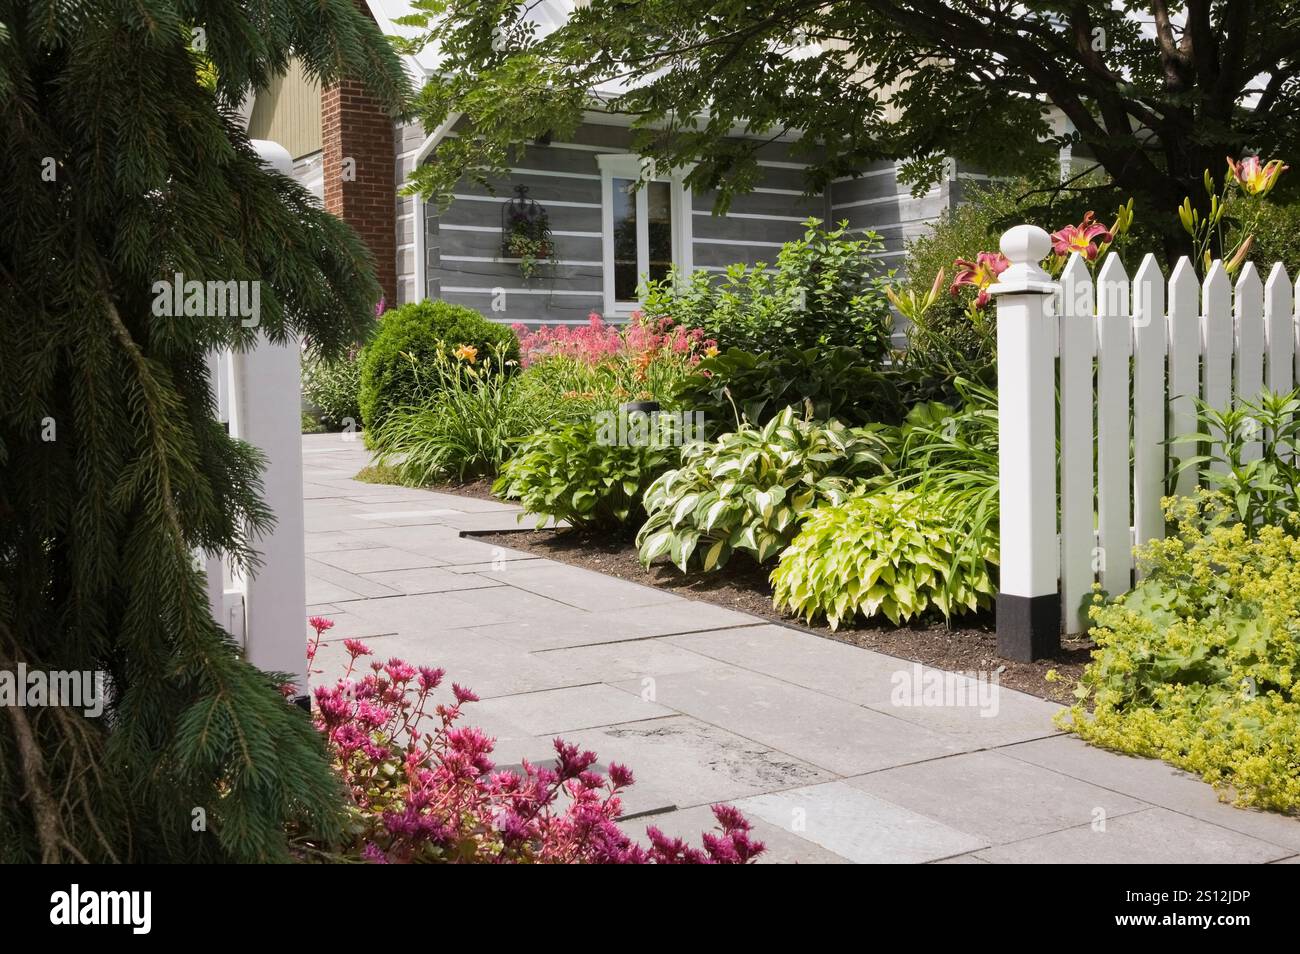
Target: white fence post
268,415
1028,606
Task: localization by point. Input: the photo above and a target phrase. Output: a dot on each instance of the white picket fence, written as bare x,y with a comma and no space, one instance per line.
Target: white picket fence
1106,368
259,400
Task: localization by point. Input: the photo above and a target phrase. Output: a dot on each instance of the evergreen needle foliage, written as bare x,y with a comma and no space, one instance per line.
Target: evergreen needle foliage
152,175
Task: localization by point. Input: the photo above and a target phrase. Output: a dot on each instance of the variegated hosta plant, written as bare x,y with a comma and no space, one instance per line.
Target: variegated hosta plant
749,489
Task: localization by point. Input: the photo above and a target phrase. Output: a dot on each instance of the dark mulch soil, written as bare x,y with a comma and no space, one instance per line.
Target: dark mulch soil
480,489
742,585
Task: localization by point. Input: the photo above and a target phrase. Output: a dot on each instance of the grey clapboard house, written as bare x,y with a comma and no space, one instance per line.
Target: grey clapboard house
607,235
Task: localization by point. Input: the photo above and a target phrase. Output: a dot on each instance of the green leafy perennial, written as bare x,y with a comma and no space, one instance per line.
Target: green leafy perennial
748,490
1197,664
890,553
571,473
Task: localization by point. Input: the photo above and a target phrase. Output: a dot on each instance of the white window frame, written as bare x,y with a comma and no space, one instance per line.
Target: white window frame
639,169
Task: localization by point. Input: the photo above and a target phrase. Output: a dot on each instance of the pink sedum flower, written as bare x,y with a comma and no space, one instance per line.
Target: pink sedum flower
423,789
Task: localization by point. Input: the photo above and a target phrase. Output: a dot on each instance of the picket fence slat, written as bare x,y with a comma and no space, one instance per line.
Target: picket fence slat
1216,344
1184,366
1148,400
1278,335
1078,341
1113,349
1248,310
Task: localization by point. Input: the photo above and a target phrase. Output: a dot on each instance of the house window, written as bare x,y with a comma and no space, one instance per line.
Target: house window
645,228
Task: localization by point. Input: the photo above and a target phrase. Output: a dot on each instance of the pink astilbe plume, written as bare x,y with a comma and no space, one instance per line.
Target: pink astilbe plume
423,789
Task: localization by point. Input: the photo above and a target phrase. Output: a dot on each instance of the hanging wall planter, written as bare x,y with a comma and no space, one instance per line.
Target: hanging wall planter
526,233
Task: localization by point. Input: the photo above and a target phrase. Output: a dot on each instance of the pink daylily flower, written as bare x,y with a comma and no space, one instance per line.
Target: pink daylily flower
1086,238
1254,177
979,273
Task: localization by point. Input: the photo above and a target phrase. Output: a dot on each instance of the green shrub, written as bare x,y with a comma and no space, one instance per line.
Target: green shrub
825,289
333,389
890,552
1198,663
1277,237
581,472
1249,455
409,338
835,380
470,424
747,491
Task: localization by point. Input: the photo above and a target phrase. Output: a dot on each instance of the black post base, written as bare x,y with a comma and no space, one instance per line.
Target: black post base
303,702
1029,627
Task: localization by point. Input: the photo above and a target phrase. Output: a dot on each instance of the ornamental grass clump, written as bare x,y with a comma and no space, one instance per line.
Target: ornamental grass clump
422,788
1197,664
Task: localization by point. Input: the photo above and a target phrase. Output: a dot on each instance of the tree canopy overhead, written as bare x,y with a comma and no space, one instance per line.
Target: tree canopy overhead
1156,91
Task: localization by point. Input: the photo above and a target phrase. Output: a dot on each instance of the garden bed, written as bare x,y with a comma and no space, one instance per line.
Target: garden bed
742,585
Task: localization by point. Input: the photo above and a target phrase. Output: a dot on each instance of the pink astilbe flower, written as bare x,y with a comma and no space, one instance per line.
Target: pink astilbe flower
421,792
1087,238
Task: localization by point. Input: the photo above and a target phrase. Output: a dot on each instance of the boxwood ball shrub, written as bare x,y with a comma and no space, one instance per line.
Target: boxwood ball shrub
1198,663
590,472
748,490
891,553
408,338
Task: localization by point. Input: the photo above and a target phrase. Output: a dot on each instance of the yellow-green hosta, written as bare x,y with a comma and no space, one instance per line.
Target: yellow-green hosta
891,553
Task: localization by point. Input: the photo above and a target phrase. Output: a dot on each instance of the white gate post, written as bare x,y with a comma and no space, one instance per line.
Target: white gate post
268,415
1029,604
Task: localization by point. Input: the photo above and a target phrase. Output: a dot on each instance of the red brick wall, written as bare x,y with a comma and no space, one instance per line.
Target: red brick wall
354,126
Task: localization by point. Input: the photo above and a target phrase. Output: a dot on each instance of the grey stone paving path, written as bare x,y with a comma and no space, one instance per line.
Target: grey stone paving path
806,735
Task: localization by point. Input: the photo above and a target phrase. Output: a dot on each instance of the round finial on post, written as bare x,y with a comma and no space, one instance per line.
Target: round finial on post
1024,246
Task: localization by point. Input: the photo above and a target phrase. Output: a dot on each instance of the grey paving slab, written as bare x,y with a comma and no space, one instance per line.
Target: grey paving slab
1002,800
976,709
828,732
375,559
492,565
548,629
325,591
489,668
1151,836
582,588
857,826
779,846
566,710
427,612
639,659
1156,782
333,541
682,761
347,625
361,585
430,580
961,860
